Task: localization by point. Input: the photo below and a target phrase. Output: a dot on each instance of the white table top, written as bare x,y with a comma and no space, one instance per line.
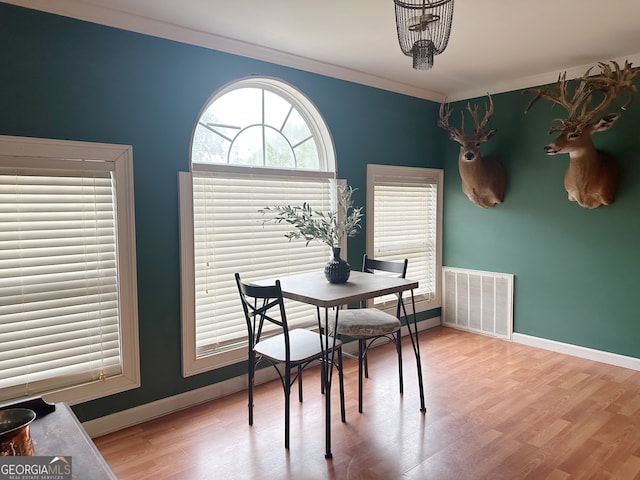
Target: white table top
313,288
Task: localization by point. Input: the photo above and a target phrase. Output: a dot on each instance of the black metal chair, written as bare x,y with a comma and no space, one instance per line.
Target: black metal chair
295,349
368,325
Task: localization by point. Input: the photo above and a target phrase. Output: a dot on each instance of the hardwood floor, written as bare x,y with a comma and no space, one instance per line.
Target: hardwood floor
495,410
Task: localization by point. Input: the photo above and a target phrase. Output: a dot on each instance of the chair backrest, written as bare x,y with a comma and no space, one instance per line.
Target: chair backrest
371,265
262,304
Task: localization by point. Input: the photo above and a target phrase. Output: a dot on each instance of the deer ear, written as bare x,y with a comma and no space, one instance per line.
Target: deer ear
605,122
490,133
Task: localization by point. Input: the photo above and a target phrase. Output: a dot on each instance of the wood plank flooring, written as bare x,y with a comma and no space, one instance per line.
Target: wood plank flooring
495,410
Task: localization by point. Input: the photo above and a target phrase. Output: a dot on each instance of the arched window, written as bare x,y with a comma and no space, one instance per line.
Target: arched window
258,142
262,123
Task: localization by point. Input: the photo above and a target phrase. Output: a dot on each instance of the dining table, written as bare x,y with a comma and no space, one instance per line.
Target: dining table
313,288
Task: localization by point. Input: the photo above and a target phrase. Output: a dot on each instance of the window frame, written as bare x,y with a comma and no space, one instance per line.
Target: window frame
61,154
412,175
191,363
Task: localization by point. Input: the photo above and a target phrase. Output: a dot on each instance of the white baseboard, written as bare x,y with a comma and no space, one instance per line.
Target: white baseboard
578,351
149,411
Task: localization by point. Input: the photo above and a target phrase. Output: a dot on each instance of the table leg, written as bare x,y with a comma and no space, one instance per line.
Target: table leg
328,353
416,348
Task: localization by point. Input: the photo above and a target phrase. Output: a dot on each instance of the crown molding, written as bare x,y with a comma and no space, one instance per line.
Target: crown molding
117,19
139,24
533,80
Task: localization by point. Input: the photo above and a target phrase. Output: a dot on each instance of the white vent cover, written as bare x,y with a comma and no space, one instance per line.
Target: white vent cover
477,301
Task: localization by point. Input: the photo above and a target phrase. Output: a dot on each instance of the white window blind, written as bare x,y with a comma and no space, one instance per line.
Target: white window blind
230,235
405,224
59,316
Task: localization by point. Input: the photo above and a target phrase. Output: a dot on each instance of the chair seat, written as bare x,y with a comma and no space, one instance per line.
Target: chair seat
305,345
366,322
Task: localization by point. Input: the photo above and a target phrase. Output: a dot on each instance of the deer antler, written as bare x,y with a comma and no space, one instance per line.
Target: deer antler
560,96
611,82
443,122
445,113
487,115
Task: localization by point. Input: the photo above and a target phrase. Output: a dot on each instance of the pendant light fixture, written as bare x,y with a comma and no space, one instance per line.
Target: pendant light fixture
423,29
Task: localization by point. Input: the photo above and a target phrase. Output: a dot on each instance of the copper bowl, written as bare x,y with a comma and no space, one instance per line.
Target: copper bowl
15,438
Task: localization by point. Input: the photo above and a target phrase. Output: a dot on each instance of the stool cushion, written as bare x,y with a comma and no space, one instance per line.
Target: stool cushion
366,322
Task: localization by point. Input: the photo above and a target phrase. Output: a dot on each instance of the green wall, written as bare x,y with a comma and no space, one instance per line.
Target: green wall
576,270
67,79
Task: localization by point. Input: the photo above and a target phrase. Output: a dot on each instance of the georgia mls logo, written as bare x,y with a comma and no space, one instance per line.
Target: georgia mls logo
35,468
60,466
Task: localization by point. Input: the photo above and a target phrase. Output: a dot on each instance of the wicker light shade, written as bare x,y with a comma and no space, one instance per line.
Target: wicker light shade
423,29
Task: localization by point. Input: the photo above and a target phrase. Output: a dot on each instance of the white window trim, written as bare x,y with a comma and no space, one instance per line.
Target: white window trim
48,153
191,364
414,173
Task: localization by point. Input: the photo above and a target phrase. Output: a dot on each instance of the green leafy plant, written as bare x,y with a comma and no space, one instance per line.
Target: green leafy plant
327,227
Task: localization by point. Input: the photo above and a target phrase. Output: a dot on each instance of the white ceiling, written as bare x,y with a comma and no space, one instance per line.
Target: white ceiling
495,45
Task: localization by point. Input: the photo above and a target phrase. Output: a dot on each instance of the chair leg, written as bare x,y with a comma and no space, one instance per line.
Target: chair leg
300,383
366,361
399,350
341,379
287,404
251,375
361,350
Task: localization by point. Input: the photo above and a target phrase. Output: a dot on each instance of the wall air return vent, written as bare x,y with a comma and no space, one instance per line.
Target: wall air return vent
478,301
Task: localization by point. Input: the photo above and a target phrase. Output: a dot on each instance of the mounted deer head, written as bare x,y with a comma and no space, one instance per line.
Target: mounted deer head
591,179
484,180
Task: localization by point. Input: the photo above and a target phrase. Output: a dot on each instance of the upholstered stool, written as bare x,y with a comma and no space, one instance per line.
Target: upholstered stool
366,322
